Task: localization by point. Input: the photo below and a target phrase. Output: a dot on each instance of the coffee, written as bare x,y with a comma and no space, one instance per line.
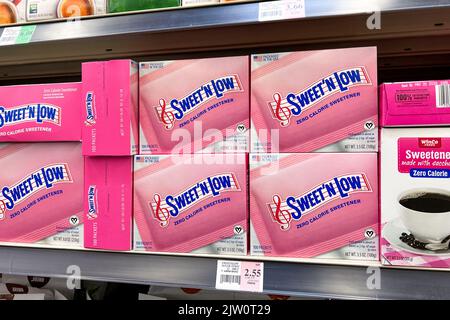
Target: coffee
73,8
427,202
6,14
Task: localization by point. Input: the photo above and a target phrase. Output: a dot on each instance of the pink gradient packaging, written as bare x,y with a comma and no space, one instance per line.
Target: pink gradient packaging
419,103
41,199
322,101
191,203
316,205
190,106
110,108
415,196
108,193
43,112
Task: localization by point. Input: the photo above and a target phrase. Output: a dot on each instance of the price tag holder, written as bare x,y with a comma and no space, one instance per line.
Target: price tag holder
281,10
240,275
17,35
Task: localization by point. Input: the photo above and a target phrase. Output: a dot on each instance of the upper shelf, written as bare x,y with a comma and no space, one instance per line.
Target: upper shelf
215,28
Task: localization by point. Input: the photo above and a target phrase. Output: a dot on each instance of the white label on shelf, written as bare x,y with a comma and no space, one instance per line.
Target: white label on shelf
17,35
281,10
240,275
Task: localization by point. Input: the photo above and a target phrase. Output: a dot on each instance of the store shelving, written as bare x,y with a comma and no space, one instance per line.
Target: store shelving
280,277
408,28
414,36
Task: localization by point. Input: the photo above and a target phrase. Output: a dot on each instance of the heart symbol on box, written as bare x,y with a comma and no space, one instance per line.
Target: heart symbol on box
238,229
369,125
241,128
369,233
74,220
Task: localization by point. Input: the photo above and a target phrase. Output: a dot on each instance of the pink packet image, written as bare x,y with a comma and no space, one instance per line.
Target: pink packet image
41,199
315,205
191,204
322,101
415,197
416,103
41,112
108,197
110,108
190,106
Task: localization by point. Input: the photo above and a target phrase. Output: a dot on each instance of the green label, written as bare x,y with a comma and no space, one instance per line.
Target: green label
25,34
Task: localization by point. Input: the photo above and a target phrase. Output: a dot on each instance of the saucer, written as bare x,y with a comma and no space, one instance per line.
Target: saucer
392,232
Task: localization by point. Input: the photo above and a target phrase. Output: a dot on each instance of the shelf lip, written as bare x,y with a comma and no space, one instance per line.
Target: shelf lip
282,276
191,18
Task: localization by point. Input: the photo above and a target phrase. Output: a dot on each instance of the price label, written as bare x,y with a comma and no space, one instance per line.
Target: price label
281,10
17,35
240,275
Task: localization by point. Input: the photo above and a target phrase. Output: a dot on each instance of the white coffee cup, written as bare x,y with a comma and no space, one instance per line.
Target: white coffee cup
12,8
428,227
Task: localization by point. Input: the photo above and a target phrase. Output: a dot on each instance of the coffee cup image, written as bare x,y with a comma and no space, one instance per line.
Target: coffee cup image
8,12
425,212
75,8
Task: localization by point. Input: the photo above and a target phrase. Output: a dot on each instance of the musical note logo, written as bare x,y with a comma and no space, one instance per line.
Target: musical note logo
161,214
283,114
282,216
165,116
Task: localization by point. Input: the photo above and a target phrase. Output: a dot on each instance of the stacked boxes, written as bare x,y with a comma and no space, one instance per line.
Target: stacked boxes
310,197
42,166
191,192
110,138
415,172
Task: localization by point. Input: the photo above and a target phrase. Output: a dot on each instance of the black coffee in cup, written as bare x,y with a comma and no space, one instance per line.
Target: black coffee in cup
427,202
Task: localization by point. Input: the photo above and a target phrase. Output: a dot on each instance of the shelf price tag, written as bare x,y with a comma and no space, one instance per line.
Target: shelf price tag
17,35
282,9
240,275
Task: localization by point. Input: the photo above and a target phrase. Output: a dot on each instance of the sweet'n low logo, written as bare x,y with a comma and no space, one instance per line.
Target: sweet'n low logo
36,112
92,202
283,109
283,212
90,110
177,109
172,205
43,178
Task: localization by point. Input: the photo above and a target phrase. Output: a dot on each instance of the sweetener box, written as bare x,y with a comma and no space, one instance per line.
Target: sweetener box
415,197
43,112
321,101
108,193
52,9
110,108
190,106
314,205
41,200
191,203
420,103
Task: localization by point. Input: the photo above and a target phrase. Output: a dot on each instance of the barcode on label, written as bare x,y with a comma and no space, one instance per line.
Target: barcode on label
443,96
271,14
229,278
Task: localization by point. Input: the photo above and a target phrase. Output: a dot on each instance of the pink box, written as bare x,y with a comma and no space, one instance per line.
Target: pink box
419,103
314,205
415,197
108,193
191,203
110,108
190,106
43,112
41,200
322,101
